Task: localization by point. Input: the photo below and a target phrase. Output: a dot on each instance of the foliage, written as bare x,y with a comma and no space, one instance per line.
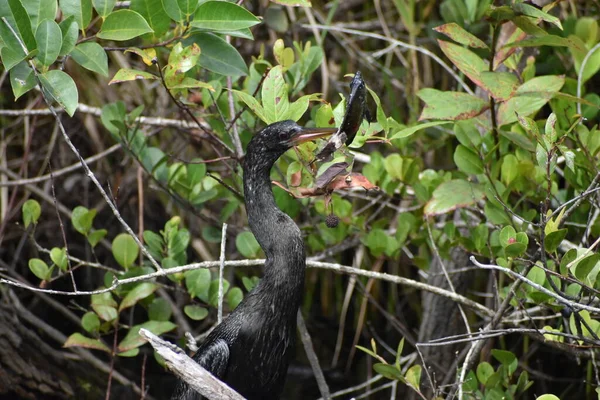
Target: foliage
497,159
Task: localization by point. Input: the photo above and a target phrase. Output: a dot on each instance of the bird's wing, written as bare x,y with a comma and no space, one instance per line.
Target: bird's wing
215,357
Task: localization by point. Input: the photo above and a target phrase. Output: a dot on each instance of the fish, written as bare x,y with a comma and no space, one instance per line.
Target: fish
356,111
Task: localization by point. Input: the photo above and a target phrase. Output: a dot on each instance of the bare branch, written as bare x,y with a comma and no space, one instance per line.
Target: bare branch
190,371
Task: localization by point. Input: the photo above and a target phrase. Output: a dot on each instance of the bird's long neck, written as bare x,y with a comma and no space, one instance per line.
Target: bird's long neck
277,234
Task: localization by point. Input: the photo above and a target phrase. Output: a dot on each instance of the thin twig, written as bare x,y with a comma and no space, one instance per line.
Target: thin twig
344,269
575,306
580,73
397,43
312,357
221,268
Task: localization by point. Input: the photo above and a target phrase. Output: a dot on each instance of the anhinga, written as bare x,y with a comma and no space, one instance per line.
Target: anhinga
251,349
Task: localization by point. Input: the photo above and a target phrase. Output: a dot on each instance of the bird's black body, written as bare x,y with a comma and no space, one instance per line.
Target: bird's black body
251,349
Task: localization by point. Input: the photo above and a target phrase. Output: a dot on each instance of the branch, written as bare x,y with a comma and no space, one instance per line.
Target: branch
190,371
562,300
396,43
478,308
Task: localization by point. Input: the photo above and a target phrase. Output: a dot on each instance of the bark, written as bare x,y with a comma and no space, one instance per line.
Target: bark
32,369
441,318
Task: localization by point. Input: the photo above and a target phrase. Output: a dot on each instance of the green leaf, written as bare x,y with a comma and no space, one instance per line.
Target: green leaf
467,160
195,312
213,291
126,74
61,88
178,243
70,33
81,10
187,7
406,132
219,56
299,107
554,239
138,293
154,241
500,85
234,297
274,95
460,35
82,219
107,313
547,40
105,306
39,268
133,339
154,160
40,10
393,165
154,13
198,283
534,12
173,11
49,40
484,371
190,83
78,340
509,170
125,250
104,7
196,171
247,245
23,25
506,358
413,376
90,55
96,236
451,195
129,353
529,97
252,104
450,105
376,241
465,60
31,212
159,310
547,397
388,371
507,236
10,58
550,128
22,79
223,16
90,322
123,25
59,257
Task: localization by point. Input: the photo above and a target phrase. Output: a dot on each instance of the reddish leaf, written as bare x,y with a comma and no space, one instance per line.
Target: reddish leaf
78,340
510,33
296,179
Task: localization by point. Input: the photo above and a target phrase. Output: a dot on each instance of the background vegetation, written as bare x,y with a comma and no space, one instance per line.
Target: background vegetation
472,272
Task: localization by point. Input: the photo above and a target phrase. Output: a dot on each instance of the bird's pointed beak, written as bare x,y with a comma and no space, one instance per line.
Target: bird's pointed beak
308,134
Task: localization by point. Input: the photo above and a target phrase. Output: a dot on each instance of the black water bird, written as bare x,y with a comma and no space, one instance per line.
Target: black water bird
251,349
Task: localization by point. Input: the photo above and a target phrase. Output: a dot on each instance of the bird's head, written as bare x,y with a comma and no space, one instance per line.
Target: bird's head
279,137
